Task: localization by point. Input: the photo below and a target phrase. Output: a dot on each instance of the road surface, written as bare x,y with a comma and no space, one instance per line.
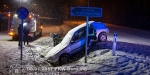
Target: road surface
129,35
125,34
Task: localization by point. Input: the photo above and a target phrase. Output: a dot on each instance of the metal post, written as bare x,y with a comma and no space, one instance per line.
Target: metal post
114,44
21,45
87,32
88,3
21,40
86,45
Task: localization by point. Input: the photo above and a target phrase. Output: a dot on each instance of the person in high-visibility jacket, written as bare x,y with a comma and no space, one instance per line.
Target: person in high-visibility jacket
91,35
57,39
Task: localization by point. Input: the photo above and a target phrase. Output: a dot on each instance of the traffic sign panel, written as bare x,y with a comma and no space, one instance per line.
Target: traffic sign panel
22,13
86,11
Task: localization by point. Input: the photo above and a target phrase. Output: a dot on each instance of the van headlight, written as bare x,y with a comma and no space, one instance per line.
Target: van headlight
11,33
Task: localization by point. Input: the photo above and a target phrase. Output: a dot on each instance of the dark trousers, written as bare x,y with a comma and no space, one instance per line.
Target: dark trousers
91,38
19,42
26,39
90,41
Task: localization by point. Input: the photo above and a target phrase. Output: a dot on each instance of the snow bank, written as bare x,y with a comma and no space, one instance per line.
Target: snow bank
130,59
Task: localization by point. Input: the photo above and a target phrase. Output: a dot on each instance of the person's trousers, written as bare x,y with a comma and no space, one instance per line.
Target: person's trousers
26,39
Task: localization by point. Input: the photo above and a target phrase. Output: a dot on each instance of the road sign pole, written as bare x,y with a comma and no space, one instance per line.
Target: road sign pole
87,32
21,40
21,44
86,46
22,14
88,3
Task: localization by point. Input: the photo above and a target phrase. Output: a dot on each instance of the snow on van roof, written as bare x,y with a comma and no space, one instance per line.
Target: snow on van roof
67,38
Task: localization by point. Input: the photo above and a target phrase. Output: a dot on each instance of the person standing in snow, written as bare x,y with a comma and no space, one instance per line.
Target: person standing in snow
26,31
91,35
19,34
57,39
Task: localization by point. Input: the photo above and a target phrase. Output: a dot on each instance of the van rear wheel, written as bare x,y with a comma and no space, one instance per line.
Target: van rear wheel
102,37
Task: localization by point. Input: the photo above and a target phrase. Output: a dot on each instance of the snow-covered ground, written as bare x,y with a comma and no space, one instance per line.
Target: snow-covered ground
132,58
128,61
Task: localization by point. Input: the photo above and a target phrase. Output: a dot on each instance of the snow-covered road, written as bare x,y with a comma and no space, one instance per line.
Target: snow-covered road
129,35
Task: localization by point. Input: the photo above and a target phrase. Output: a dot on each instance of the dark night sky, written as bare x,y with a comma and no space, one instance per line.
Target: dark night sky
134,13
138,6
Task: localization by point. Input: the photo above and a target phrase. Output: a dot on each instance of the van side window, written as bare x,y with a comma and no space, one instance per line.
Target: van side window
82,33
79,34
75,37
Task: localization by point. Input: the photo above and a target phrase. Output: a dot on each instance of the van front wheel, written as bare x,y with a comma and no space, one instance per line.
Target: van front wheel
64,59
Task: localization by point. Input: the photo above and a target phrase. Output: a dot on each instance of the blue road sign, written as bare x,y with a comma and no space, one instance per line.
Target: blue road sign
86,11
22,13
